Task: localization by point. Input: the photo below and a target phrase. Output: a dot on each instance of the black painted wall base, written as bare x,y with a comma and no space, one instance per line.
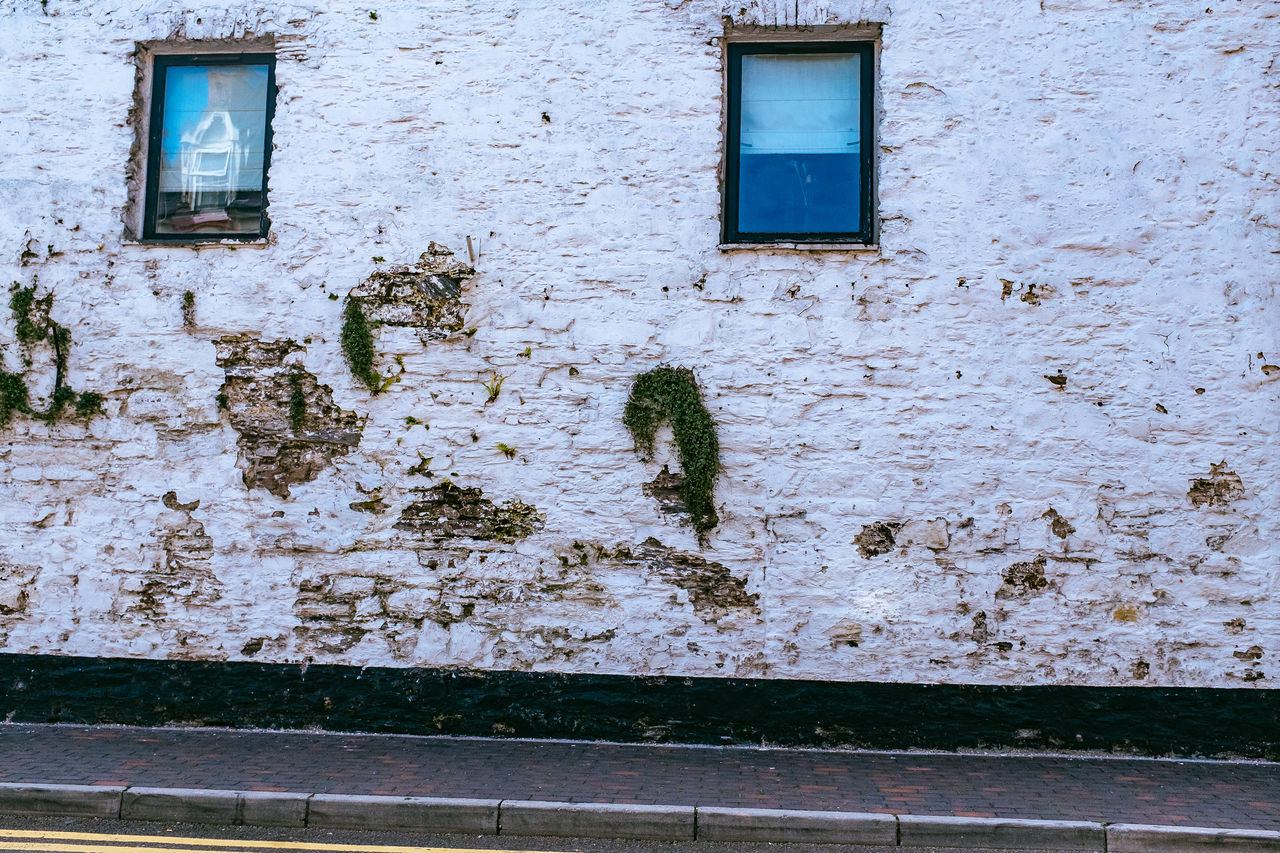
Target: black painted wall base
1148,720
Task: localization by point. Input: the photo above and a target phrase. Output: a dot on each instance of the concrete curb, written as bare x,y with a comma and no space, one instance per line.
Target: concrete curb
724,824
409,814
598,820
611,820
1137,838
948,831
273,808
18,798
190,805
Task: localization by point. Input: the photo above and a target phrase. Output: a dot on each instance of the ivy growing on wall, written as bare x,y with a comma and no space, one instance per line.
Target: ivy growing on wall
671,394
33,326
357,346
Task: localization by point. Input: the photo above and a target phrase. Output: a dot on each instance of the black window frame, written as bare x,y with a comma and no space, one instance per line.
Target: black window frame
866,202
161,63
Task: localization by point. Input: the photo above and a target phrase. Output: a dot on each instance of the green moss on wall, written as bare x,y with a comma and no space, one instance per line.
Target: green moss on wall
671,394
13,397
297,403
28,313
88,404
357,346
34,326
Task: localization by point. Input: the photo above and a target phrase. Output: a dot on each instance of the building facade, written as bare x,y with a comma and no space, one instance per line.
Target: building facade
1011,424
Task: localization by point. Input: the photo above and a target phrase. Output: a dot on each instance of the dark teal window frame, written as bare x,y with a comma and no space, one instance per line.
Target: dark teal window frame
865,202
155,130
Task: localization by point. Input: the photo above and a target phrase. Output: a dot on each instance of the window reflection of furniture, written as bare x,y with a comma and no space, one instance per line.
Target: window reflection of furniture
210,157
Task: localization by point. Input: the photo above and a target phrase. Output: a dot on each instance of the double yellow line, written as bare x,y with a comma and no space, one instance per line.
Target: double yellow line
38,841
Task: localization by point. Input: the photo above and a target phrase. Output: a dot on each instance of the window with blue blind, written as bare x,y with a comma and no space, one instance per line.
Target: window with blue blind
800,147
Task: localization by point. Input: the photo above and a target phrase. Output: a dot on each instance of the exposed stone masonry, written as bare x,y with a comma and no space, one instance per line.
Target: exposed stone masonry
280,447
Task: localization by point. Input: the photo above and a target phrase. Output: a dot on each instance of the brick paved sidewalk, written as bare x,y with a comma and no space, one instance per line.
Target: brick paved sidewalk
1232,795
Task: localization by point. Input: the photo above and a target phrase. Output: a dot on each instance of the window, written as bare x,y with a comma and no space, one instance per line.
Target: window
209,144
799,148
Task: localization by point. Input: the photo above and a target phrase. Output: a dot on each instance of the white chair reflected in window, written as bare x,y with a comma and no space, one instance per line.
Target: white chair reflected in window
206,177
212,153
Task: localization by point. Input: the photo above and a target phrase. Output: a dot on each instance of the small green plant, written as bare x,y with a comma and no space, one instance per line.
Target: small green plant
334,297
223,402
423,468
528,353
24,305
297,402
88,404
671,394
493,386
33,325
507,450
357,346
62,395
373,16
13,397
188,309
411,421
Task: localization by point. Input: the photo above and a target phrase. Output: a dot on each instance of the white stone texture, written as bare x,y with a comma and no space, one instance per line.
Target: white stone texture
1075,186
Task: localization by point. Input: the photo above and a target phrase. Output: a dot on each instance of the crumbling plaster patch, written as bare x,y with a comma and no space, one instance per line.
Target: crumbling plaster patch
282,442
446,511
425,297
494,608
17,585
177,591
1219,488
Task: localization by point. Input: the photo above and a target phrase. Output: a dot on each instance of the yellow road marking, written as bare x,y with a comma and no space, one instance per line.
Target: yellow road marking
107,843
40,847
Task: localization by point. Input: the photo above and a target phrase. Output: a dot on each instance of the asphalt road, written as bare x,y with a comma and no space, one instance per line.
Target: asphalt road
54,835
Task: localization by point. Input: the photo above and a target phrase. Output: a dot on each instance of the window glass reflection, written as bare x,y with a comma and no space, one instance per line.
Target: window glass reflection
799,169
212,150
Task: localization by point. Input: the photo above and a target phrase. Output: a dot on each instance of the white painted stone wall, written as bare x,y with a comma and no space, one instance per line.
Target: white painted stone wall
1077,186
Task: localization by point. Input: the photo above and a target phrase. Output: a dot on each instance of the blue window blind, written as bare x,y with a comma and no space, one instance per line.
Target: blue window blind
797,164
